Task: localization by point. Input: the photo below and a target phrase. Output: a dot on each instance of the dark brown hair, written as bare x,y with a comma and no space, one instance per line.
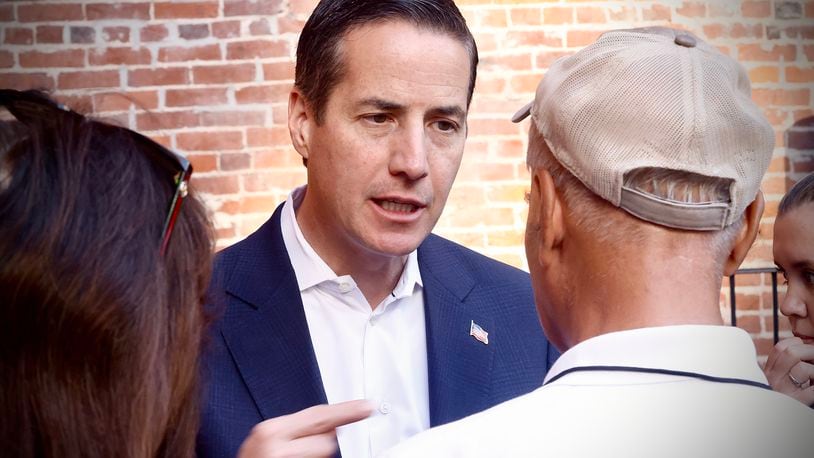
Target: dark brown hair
802,192
99,334
319,65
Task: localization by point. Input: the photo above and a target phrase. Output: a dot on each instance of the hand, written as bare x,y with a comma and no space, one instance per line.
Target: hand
791,358
308,433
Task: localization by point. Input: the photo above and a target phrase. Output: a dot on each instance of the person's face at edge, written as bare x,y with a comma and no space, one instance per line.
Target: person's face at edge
382,162
794,255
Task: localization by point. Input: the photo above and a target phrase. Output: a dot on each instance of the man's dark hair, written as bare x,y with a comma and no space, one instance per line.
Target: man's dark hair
319,66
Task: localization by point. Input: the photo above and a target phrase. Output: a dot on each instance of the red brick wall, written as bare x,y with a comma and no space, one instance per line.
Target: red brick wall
210,78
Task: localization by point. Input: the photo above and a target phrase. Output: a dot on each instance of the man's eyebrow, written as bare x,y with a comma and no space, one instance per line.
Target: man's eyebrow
380,104
452,111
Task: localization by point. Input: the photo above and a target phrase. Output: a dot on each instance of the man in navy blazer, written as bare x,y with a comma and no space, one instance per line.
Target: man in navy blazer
344,294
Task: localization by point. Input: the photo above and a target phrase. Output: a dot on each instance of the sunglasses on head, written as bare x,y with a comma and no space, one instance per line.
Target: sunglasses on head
32,108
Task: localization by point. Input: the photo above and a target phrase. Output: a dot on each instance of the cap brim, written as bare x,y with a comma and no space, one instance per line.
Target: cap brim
523,113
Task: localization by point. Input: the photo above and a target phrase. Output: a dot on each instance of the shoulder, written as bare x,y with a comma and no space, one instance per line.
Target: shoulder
439,253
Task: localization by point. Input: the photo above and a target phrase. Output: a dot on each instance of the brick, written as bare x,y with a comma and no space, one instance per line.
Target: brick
6,13
764,75
492,126
489,84
260,27
779,164
535,38
546,58
240,161
713,31
519,16
288,24
152,33
18,36
118,101
263,94
278,71
221,74
800,139
233,118
119,34
759,9
119,56
579,38
117,10
799,75
6,59
788,10
88,79
507,62
251,7
189,53
167,120
82,35
809,52
307,6
202,163
21,81
66,58
657,12
191,97
49,34
722,9
158,77
256,48
267,136
265,181
804,165
209,141
228,184
692,9
226,29
176,10
591,15
556,15
193,31
50,12
739,30
277,157
756,52
781,97
620,13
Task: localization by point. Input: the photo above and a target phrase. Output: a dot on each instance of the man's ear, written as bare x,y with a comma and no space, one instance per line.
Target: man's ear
746,236
299,123
546,215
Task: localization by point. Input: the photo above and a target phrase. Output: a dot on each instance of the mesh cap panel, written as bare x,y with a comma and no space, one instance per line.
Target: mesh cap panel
655,98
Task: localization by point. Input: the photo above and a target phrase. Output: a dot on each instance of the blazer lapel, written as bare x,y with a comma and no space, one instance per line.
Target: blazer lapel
269,339
459,365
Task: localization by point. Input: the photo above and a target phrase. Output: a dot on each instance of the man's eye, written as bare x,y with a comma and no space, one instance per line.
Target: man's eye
445,126
809,276
378,118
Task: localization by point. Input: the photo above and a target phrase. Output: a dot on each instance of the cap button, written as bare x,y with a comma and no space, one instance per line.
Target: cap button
685,40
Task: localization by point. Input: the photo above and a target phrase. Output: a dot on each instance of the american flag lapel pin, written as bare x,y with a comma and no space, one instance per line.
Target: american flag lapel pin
478,333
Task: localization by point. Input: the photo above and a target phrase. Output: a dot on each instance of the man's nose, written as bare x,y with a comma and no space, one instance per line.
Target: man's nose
792,303
409,151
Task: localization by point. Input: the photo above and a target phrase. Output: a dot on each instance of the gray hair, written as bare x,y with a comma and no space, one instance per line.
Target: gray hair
613,226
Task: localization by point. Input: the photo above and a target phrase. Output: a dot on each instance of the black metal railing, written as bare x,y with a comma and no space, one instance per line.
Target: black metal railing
775,304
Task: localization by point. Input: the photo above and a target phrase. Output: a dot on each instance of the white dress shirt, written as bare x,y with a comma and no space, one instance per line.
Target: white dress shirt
633,414
363,353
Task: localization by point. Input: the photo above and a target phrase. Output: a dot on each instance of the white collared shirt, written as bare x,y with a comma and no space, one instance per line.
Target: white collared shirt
379,354
632,414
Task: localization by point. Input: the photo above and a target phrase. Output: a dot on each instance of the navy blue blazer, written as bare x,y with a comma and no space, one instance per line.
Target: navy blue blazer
260,362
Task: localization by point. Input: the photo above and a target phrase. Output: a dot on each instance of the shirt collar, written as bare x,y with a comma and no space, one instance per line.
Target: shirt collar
718,351
309,267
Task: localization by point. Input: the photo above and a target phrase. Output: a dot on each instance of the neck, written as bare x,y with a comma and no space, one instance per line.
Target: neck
375,274
645,287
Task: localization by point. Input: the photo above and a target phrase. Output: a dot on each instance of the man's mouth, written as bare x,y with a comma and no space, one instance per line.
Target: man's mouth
398,206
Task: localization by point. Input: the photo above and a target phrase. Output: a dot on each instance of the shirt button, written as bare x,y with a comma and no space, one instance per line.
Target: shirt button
345,287
384,408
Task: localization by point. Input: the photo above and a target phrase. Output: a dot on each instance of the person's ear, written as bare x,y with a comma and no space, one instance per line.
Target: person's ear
545,216
746,235
299,123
